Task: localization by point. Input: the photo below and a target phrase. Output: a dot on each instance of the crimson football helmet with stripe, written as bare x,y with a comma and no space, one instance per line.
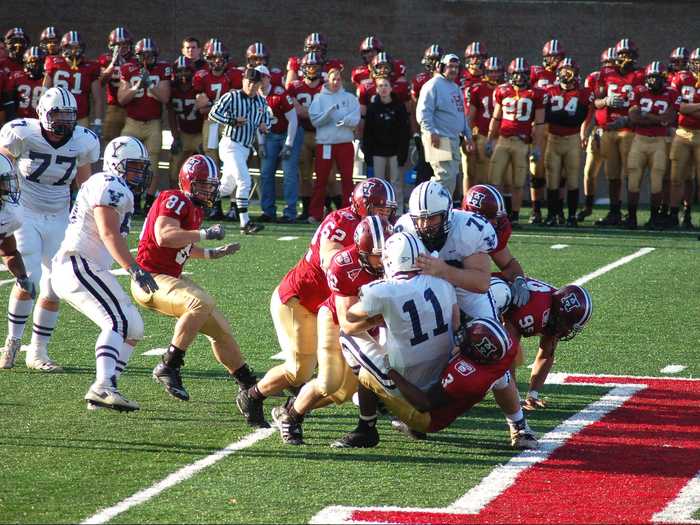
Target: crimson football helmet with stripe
370,236
199,179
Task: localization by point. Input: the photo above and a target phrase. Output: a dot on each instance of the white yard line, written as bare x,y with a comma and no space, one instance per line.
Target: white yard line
155,351
178,476
559,246
615,264
288,238
681,509
673,369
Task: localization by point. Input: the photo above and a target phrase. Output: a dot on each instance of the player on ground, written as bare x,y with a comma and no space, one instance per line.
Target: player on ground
50,152
95,239
169,238
296,301
350,268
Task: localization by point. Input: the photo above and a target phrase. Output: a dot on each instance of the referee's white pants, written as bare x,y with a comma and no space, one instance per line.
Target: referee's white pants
234,174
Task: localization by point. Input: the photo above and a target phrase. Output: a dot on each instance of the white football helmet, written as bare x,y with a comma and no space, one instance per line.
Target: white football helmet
501,294
430,199
9,185
128,158
58,111
401,253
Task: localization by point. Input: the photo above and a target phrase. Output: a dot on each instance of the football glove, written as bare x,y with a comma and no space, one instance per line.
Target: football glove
216,232
26,285
615,101
519,291
223,251
97,128
176,146
533,404
285,152
144,279
488,148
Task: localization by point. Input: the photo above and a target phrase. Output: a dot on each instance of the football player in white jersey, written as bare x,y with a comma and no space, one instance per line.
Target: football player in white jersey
50,152
96,237
420,312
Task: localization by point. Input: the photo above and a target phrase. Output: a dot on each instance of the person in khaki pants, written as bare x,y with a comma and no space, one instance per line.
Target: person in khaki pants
143,89
652,111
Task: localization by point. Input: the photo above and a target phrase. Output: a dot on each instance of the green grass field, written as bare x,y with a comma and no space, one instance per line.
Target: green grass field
62,464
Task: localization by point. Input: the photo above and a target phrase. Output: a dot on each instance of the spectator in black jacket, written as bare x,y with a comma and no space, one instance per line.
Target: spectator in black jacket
386,135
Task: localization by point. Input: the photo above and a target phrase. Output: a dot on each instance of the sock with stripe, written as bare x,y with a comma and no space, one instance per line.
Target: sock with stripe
124,355
17,314
243,211
44,323
107,349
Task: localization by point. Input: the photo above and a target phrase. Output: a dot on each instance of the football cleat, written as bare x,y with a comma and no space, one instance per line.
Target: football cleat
251,409
9,352
290,432
108,397
252,228
171,379
687,223
38,359
402,427
535,218
358,438
572,222
630,222
611,219
581,216
550,220
522,437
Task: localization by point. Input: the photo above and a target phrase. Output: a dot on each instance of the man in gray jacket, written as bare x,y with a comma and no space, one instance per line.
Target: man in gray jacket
440,113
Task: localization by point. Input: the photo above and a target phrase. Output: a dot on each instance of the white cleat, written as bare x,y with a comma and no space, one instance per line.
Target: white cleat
522,437
108,397
9,352
37,359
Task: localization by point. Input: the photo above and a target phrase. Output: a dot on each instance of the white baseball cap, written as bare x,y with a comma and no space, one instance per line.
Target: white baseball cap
263,70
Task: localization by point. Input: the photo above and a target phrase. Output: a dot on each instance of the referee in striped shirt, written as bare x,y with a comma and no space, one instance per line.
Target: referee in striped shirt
245,114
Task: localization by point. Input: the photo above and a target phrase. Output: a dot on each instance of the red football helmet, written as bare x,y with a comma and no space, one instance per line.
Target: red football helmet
369,47
72,47
474,56
552,53
431,56
34,62
494,71
694,61
627,53
382,65
519,72
183,71
49,41
146,51
121,38
485,200
373,193
482,340
316,43
16,42
571,309
608,57
257,54
311,66
199,179
370,236
216,55
678,61
655,76
568,73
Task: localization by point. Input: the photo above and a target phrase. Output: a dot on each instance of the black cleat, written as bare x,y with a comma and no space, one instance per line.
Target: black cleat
358,438
550,221
171,379
264,217
535,218
611,219
630,222
572,222
402,427
252,228
290,432
581,216
251,409
286,220
232,214
687,223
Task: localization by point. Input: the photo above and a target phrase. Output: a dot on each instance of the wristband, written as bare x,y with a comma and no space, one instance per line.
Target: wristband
203,235
534,394
97,122
207,253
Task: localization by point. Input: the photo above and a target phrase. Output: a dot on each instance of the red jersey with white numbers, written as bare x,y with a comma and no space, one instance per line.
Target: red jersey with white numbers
8,65
614,82
112,85
368,88
345,276
468,79
542,77
418,82
531,318
572,101
144,106
654,104
601,114
182,99
26,91
307,280
213,86
519,106
280,103
687,86
159,259
480,97
304,94
77,80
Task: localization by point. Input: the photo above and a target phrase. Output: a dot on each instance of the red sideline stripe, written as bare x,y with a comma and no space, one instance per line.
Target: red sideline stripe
622,469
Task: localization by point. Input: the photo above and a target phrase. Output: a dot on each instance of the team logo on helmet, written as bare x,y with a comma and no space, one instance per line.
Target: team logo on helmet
570,302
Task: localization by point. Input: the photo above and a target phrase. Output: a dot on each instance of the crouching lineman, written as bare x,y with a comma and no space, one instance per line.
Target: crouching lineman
95,238
349,269
168,239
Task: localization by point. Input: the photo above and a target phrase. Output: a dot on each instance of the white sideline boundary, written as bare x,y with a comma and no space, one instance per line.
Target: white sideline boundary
188,471
681,509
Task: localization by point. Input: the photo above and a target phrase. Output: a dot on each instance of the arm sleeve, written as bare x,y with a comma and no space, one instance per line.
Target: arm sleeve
10,141
425,109
317,114
267,113
91,153
221,110
293,124
369,300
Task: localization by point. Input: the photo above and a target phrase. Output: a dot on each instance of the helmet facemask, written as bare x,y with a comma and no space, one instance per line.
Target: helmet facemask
34,67
60,121
136,173
475,64
567,77
625,60
9,188
204,192
520,79
655,83
431,232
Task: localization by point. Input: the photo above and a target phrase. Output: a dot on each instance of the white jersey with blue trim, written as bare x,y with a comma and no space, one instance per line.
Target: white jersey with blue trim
46,170
82,236
417,312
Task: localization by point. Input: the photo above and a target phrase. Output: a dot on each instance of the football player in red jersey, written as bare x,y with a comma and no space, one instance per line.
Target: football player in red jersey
143,89
685,147
313,43
615,92
479,99
554,315
184,119
49,41
517,121
72,71
296,301
349,269
381,67
25,87
121,51
257,54
652,111
16,43
169,238
594,159
474,57
369,48
569,113
678,62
